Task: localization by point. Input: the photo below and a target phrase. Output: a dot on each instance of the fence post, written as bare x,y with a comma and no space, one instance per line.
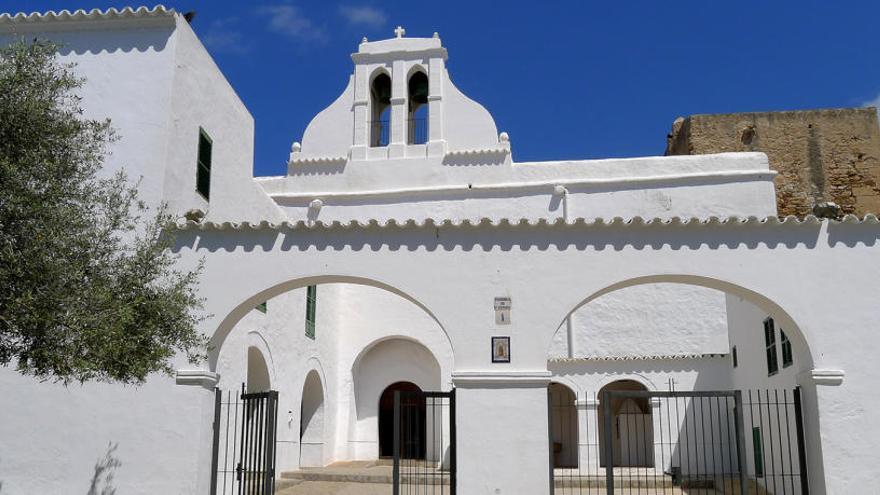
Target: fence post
550,440
802,453
609,452
215,449
452,459
396,470
740,443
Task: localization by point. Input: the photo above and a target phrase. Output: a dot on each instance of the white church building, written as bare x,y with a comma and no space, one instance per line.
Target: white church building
533,317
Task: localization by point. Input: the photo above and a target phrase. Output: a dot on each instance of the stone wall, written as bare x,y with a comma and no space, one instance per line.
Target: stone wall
821,155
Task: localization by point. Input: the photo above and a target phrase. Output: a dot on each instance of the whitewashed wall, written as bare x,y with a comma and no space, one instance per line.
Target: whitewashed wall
646,320
157,84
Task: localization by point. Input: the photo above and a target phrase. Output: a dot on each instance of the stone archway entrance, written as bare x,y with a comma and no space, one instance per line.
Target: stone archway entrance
414,446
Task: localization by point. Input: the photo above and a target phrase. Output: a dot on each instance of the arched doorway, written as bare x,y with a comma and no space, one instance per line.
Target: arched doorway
311,429
632,427
414,407
564,426
257,371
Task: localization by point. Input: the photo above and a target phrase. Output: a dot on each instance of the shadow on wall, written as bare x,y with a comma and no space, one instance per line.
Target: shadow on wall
105,471
507,236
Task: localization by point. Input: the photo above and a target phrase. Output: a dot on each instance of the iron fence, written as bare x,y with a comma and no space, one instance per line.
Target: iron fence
699,443
244,446
379,133
424,443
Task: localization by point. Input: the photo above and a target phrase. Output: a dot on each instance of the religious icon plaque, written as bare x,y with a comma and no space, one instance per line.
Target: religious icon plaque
500,349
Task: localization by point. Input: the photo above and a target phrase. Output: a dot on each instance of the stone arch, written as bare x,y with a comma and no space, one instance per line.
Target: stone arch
794,332
238,312
311,432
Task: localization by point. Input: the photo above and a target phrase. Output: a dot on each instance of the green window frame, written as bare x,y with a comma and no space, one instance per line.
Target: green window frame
758,451
770,344
787,356
311,302
203,165
262,307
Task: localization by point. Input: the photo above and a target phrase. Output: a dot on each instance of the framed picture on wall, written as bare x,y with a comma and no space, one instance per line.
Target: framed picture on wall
500,349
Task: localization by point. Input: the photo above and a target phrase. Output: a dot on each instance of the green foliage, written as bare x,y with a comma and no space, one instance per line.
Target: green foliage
88,287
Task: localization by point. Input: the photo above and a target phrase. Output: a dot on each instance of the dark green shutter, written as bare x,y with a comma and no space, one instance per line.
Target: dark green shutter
311,301
770,342
203,167
787,357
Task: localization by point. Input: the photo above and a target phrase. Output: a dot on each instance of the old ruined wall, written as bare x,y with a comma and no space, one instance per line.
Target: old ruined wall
821,155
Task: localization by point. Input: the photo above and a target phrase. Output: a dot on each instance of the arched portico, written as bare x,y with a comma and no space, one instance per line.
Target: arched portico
456,271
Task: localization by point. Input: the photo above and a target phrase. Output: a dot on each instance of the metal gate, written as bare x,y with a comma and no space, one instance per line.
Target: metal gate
699,443
243,460
424,443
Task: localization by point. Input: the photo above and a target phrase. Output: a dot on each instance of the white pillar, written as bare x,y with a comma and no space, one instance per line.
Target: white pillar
659,456
436,141
397,136
502,426
588,435
361,113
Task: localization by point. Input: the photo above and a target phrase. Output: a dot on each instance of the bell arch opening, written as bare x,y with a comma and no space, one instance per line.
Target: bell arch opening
380,109
417,111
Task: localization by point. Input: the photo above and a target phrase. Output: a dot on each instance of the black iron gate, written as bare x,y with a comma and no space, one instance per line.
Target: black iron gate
424,443
244,443
701,443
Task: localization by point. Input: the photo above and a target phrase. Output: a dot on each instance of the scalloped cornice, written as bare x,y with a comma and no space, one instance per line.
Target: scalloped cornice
46,20
636,358
633,222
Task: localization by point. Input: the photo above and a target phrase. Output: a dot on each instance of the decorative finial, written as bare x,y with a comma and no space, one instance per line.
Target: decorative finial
503,138
364,40
316,204
296,147
399,32
436,35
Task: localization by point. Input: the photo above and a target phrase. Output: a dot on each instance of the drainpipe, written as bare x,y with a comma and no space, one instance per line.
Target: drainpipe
562,192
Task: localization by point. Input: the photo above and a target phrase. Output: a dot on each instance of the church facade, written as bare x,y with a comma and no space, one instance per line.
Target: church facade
405,250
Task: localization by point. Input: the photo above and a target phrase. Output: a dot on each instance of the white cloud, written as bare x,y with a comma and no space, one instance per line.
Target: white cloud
222,36
290,21
363,16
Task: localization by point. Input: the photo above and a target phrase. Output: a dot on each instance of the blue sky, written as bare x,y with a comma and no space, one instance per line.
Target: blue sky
564,79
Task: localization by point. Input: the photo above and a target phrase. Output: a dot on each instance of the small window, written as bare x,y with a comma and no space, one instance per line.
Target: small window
787,357
311,299
733,355
203,167
758,451
770,343
262,307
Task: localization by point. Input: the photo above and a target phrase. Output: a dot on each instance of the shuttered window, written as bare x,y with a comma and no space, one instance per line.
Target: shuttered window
203,166
787,357
311,300
770,344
